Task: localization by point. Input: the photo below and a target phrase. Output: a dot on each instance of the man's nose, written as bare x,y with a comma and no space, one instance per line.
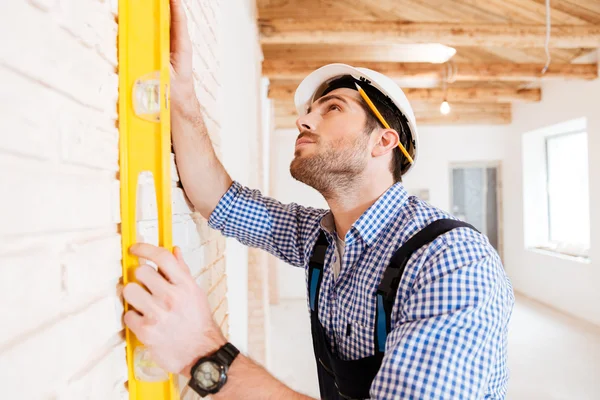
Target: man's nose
306,123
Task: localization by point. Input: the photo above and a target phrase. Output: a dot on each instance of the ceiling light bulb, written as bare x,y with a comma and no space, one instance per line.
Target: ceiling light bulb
445,108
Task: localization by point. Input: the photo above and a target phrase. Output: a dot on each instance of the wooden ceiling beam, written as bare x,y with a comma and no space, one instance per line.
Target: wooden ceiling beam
289,122
286,107
427,113
343,52
297,70
292,31
352,53
284,91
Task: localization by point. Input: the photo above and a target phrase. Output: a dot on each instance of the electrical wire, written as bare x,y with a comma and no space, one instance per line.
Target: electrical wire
546,48
449,76
547,44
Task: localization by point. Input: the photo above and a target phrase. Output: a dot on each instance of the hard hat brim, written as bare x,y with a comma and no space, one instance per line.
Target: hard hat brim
307,89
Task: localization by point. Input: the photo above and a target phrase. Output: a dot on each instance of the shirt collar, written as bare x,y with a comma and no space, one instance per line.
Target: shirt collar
375,218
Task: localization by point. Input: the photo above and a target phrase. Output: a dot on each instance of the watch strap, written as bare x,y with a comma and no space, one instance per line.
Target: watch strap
227,353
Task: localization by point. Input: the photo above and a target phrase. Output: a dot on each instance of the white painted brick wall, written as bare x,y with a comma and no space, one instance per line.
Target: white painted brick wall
61,333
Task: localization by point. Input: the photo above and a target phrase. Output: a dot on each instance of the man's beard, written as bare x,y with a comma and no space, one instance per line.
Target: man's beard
331,171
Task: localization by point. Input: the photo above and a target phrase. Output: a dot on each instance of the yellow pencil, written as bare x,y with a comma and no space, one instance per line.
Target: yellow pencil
380,117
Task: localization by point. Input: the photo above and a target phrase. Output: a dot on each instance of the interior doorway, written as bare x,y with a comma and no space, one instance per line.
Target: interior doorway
475,197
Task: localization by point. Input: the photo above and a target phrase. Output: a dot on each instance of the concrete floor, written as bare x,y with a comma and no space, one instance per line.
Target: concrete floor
551,356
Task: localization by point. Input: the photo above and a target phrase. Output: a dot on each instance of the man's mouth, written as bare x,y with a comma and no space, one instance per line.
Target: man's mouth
303,141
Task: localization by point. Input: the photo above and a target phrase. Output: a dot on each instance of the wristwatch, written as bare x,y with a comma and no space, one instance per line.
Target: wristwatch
209,374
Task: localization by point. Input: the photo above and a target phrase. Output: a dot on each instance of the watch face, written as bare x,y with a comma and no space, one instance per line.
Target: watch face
208,375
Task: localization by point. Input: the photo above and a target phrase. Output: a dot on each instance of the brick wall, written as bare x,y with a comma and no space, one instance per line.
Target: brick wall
273,283
257,306
59,232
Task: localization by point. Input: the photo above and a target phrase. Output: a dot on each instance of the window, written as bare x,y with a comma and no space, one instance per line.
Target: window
556,194
568,197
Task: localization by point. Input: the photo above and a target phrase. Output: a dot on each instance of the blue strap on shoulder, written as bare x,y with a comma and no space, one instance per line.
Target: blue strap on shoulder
388,287
315,270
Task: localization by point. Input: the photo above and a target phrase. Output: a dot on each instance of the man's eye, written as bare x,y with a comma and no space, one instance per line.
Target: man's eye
334,107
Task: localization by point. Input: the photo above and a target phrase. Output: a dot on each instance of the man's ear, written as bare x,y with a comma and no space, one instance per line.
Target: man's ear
388,140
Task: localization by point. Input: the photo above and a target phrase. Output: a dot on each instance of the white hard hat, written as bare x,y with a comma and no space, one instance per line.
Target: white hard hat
312,87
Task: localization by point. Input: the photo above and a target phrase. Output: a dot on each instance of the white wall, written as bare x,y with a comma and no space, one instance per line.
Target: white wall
240,105
60,247
287,190
440,146
568,285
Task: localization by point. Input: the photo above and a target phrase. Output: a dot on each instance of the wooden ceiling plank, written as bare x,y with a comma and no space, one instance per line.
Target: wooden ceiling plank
465,119
583,14
431,11
421,108
500,35
289,122
285,91
591,5
334,53
498,8
427,108
538,55
557,16
297,70
395,53
524,56
375,10
523,72
477,54
324,9
473,12
418,11
517,11
474,95
526,12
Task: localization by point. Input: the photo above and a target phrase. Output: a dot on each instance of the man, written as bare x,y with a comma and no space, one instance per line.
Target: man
405,301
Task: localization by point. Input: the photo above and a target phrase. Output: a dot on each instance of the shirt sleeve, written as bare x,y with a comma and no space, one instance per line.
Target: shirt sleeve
451,339
259,221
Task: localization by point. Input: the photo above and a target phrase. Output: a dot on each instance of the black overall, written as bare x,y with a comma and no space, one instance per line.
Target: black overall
340,379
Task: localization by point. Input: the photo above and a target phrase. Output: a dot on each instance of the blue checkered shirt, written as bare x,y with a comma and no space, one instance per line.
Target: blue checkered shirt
449,321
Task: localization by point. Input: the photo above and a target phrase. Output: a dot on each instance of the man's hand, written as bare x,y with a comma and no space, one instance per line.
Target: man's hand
182,79
172,317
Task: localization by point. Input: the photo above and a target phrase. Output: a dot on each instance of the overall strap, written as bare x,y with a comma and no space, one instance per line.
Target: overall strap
388,287
315,270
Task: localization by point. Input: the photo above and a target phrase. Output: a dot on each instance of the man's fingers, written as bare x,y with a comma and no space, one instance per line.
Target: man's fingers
179,31
141,300
154,281
178,253
179,256
177,13
135,322
167,263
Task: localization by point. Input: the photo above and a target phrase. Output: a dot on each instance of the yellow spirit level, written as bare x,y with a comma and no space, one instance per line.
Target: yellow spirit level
144,145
